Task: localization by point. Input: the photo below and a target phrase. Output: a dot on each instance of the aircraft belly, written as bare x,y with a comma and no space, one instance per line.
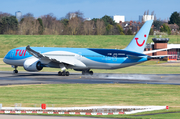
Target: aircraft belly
97,65
110,65
14,62
71,62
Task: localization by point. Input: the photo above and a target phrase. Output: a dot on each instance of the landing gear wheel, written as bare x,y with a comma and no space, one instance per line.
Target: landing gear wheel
15,71
87,72
91,72
67,73
63,73
60,73
83,72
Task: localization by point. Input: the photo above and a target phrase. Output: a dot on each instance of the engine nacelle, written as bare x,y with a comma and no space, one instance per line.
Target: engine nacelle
32,65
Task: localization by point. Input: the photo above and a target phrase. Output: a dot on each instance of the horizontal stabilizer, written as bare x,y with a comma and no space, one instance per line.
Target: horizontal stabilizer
152,51
160,56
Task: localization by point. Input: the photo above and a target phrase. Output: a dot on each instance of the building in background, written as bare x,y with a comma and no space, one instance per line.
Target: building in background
18,15
174,29
173,51
72,15
87,19
118,18
144,18
140,18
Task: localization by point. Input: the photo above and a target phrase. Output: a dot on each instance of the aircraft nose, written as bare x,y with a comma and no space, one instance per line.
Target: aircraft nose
5,59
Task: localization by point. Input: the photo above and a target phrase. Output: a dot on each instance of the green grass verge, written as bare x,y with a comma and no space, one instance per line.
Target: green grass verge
8,42
70,95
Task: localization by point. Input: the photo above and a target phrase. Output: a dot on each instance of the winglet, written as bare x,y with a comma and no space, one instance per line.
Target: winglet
138,43
34,53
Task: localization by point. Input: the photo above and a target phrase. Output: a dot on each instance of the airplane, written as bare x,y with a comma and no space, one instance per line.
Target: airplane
34,59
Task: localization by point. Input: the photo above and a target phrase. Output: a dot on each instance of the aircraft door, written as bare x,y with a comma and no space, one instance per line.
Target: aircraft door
114,57
79,55
11,54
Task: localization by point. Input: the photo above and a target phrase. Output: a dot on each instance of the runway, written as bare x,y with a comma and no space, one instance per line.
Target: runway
8,78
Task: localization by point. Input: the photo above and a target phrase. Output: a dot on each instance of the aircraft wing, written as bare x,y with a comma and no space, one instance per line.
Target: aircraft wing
152,51
47,59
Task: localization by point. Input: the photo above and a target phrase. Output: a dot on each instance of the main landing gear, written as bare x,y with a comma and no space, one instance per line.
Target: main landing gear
15,71
63,73
63,69
87,72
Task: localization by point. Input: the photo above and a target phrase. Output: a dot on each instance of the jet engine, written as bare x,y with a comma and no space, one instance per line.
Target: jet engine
32,65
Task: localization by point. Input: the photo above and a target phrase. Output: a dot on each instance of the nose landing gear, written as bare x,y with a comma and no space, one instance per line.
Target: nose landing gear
15,71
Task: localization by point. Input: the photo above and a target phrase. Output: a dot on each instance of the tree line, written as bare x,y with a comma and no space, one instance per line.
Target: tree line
72,24
50,25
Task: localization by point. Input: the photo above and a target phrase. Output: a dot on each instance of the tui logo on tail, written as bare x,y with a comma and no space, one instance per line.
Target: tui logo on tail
140,45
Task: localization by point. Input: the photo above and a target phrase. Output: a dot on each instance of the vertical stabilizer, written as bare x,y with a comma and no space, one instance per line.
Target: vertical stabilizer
138,43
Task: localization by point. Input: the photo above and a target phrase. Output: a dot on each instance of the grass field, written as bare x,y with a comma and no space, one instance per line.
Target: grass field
67,95
70,95
8,42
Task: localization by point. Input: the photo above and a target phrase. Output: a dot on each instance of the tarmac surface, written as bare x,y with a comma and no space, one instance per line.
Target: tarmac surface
8,78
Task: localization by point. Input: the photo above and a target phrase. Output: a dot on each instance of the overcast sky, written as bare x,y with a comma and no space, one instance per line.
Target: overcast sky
131,9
